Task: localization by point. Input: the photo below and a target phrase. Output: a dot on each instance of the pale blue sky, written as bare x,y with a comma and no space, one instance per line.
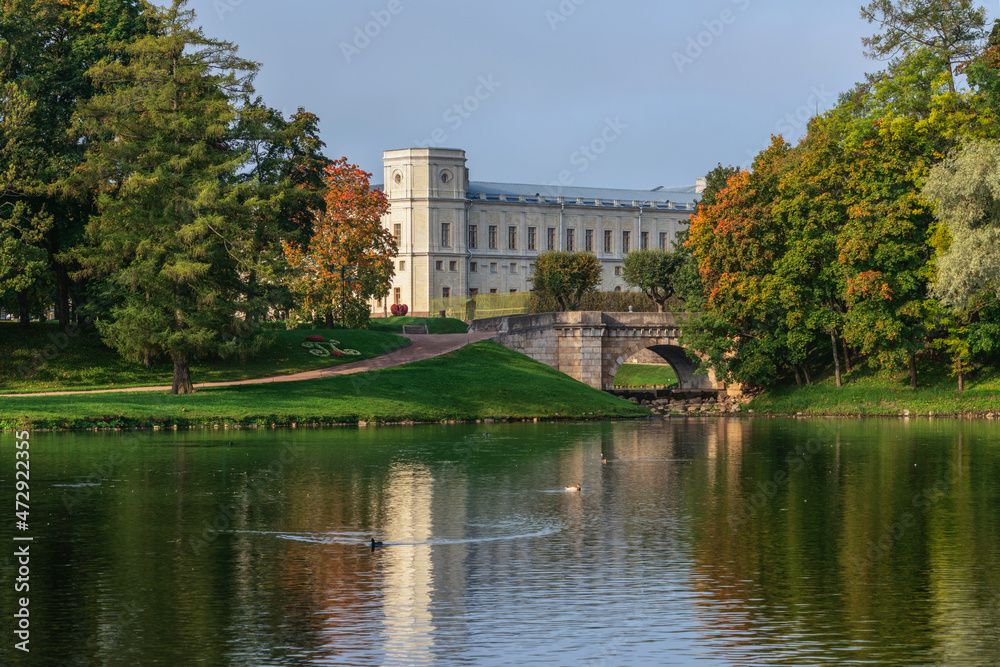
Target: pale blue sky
620,93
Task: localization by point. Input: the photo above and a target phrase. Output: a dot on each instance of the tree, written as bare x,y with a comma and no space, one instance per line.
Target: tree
737,241
807,276
654,272
348,260
284,159
567,276
953,29
168,240
966,267
716,180
965,188
46,47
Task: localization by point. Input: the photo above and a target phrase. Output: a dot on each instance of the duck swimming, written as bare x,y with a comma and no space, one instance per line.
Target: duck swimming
375,544
573,488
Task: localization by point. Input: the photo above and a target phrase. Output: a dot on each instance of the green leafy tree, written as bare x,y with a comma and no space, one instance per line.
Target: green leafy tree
46,47
285,162
966,280
965,188
169,239
654,272
567,276
807,278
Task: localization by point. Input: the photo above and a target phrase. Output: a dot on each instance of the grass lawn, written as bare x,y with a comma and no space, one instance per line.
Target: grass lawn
482,380
645,375
84,362
879,393
435,325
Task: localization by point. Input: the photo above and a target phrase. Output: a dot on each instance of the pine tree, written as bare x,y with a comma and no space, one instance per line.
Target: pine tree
168,240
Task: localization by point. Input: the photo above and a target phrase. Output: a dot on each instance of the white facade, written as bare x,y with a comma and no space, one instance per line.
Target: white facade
458,237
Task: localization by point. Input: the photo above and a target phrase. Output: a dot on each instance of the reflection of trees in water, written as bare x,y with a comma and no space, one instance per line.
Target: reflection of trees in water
864,532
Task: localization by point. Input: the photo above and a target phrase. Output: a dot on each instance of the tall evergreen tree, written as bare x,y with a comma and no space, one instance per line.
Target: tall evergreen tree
169,239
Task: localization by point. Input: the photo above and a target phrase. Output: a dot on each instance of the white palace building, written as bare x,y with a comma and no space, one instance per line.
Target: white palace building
459,238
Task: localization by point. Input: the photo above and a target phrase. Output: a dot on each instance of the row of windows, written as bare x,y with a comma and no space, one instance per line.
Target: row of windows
473,291
397,293
474,267
550,239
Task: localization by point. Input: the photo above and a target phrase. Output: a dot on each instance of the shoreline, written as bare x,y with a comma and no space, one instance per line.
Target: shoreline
504,420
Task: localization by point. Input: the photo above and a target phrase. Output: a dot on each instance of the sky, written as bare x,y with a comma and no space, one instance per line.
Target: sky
594,93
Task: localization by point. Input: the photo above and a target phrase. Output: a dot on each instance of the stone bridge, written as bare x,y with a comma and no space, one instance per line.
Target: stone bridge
592,346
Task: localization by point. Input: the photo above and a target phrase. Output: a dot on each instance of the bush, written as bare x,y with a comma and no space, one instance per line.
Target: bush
567,276
399,309
609,302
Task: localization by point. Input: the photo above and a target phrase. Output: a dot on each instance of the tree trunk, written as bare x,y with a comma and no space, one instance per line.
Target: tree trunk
329,318
805,372
961,378
847,356
913,370
63,296
798,376
182,376
23,308
659,306
836,357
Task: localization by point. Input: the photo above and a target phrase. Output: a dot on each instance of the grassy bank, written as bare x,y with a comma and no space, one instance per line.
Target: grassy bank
645,375
479,381
84,362
868,393
435,325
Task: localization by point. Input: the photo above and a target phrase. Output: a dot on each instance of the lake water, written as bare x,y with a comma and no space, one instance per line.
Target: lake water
700,541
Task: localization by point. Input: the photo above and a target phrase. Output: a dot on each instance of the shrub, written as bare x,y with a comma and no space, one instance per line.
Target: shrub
567,276
399,309
608,302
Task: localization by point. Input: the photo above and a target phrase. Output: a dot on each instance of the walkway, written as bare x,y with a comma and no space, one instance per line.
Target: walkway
422,346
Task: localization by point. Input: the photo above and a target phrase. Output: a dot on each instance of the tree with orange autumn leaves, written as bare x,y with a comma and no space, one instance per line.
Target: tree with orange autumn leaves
824,251
348,259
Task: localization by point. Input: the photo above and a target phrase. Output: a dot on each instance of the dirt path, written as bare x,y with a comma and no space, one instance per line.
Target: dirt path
422,346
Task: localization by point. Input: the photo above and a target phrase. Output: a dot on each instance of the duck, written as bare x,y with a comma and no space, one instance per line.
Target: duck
376,545
573,488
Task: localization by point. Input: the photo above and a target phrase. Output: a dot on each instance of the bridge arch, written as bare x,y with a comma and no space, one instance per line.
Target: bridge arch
677,357
591,346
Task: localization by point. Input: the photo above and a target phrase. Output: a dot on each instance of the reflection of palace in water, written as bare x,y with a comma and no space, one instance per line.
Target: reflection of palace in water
477,547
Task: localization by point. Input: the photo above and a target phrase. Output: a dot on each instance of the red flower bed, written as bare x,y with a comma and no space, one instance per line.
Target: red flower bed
399,309
314,339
